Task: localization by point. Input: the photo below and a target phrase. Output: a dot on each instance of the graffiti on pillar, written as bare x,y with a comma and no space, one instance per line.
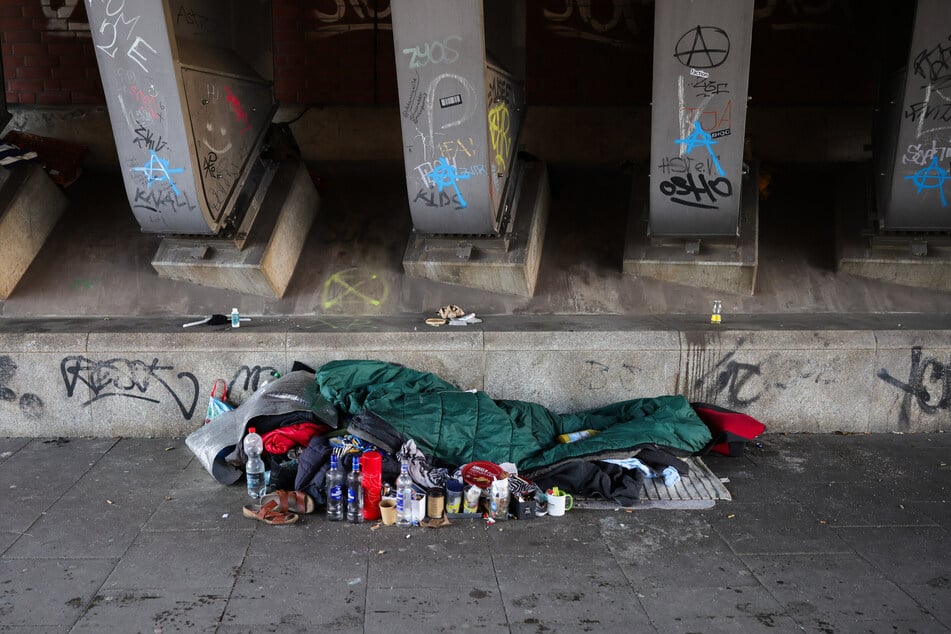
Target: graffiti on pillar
703,47
924,153
435,52
928,386
116,30
500,135
156,170
692,181
445,176
930,110
446,157
931,177
130,378
341,17
30,404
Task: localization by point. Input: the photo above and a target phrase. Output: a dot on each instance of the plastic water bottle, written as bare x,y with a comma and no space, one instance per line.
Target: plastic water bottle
334,481
254,469
235,318
404,497
355,493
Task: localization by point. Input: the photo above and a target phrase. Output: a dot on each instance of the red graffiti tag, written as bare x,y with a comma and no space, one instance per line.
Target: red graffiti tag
239,112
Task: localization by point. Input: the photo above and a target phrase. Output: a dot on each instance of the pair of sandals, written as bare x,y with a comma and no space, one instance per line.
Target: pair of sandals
280,508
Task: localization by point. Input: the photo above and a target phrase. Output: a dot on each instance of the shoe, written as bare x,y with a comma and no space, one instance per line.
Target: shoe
269,514
296,501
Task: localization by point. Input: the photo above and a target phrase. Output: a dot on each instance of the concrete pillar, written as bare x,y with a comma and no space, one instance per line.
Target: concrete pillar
479,211
701,71
915,159
698,223
188,86
461,105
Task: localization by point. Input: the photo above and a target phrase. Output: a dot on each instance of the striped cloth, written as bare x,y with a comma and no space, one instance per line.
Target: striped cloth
11,154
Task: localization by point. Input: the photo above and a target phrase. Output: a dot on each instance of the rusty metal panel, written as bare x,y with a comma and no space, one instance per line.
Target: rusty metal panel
701,73
460,116
189,97
915,195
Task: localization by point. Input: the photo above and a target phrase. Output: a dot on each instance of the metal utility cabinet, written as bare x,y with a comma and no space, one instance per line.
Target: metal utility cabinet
190,96
461,110
189,90
697,223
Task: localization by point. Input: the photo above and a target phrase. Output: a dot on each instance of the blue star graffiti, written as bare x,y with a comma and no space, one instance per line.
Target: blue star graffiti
446,175
156,169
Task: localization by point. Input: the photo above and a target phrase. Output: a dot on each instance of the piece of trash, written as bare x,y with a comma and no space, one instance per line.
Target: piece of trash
435,321
730,516
169,448
354,582
450,311
380,552
465,320
715,316
109,502
224,516
823,522
408,535
725,480
169,497
211,320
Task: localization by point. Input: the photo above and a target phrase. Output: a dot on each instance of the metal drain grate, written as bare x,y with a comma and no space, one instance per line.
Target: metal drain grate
700,489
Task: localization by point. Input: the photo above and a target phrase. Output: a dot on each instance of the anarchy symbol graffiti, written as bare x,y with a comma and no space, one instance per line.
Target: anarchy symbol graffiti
703,47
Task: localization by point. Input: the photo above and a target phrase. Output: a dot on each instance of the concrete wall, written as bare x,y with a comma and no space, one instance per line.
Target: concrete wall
59,378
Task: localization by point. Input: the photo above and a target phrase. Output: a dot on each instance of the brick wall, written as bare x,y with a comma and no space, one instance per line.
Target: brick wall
48,56
579,52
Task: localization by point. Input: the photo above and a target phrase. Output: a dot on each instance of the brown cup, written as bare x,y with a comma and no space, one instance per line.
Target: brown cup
388,511
435,502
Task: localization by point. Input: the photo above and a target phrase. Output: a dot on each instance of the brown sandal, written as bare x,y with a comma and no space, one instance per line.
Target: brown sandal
269,514
296,501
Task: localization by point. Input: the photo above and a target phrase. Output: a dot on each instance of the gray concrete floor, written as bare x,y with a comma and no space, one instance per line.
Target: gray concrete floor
825,533
97,262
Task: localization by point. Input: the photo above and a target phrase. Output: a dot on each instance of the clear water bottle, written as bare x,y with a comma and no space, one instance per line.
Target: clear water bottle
404,497
334,481
355,493
254,469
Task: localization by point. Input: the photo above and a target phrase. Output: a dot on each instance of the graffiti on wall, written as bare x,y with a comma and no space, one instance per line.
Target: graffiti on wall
130,378
928,386
340,17
30,404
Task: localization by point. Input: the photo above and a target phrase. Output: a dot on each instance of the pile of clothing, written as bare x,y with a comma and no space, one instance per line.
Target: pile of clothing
374,404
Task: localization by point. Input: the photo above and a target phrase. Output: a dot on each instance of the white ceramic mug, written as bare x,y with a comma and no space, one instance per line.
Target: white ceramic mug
558,504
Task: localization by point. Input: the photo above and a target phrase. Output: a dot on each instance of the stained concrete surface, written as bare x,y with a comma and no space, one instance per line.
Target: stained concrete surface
825,533
97,262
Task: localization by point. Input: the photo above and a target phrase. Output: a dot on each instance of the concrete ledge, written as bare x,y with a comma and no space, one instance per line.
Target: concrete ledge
796,373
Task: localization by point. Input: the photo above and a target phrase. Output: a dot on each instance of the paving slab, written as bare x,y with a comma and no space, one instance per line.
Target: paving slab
190,560
49,592
750,564
152,611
